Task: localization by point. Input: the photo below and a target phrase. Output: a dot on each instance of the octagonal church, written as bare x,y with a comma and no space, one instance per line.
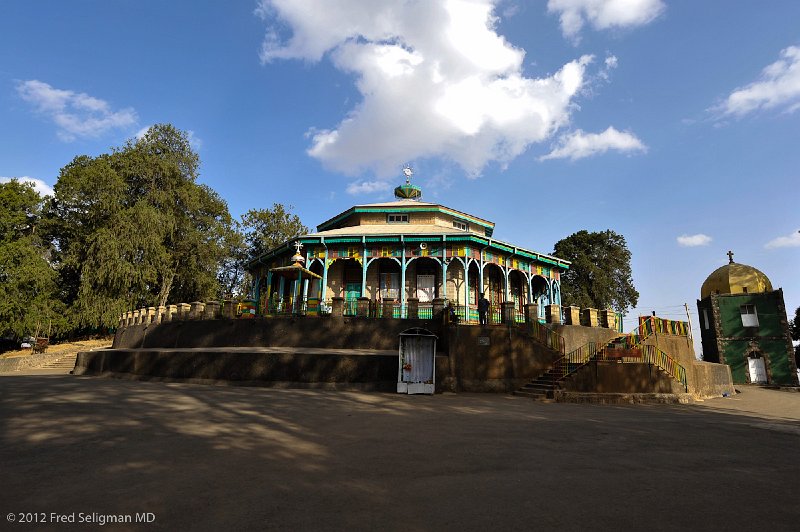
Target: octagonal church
387,256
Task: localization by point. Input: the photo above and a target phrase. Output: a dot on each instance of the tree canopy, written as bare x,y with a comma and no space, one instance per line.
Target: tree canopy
123,230
600,274
133,228
27,282
265,229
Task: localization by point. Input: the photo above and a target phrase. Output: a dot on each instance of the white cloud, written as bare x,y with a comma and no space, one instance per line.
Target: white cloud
603,14
436,80
578,145
790,241
75,114
691,241
778,86
367,187
40,186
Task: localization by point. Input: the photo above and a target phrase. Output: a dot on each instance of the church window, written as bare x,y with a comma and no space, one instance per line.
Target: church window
397,218
749,316
460,225
705,319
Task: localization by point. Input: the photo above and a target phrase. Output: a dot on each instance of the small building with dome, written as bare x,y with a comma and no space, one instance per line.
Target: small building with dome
743,324
406,251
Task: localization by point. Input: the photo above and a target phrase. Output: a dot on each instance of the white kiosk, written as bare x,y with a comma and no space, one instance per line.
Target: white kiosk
416,365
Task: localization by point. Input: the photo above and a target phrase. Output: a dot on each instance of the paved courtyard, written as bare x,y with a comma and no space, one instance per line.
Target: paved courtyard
233,458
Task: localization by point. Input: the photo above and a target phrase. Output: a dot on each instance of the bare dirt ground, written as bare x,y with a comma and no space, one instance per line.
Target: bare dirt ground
64,347
232,458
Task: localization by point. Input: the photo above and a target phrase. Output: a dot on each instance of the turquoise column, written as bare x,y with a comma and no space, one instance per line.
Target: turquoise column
466,286
364,267
296,292
403,281
281,286
269,289
324,288
444,279
256,286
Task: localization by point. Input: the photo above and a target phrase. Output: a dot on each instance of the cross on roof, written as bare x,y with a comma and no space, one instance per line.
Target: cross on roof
730,256
297,246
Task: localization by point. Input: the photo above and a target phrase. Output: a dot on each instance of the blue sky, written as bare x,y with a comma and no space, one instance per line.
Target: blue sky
674,123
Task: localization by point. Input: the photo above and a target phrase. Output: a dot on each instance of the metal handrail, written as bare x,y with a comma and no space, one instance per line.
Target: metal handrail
653,355
577,358
548,337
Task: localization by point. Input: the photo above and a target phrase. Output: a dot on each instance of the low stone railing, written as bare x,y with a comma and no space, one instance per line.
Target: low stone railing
227,309
197,310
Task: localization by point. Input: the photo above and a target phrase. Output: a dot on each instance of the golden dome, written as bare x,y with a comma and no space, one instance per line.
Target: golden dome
735,278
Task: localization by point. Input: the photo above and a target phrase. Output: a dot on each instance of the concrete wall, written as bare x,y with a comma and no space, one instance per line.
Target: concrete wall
329,332
710,380
615,377
492,359
576,336
372,372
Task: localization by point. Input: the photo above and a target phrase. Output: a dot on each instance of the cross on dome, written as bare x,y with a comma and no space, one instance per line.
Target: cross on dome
730,256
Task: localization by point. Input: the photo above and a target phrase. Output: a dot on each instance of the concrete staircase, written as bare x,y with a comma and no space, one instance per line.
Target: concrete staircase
65,363
543,387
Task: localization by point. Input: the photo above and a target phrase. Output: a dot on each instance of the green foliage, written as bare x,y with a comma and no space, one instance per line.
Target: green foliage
133,228
600,273
27,282
265,229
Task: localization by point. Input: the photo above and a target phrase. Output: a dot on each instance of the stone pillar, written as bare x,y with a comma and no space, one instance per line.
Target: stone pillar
552,313
589,317
183,311
362,307
169,313
438,308
211,311
135,316
229,309
159,317
531,312
127,318
572,315
606,318
337,307
507,312
196,310
413,308
388,309
142,315
149,315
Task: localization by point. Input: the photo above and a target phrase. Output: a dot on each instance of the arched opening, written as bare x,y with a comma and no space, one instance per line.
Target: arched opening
540,293
518,286
424,279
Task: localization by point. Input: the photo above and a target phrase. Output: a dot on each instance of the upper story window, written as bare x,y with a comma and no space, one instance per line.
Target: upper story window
749,316
461,225
397,218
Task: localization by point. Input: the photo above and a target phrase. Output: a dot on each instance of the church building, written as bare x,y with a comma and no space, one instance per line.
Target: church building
405,251
743,324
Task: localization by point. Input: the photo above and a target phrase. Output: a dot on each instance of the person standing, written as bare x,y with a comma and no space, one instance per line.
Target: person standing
483,309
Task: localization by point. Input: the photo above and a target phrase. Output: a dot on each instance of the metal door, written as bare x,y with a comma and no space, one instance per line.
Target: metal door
758,370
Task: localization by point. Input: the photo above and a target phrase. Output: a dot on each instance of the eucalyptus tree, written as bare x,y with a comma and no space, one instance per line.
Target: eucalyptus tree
600,274
134,227
27,282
